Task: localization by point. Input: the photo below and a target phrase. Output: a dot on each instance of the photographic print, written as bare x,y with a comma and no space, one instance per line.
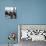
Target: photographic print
31,33
10,11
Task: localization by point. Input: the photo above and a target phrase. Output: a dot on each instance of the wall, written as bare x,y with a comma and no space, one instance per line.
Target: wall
28,12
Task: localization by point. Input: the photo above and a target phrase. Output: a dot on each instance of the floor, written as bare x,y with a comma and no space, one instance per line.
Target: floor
30,43
7,45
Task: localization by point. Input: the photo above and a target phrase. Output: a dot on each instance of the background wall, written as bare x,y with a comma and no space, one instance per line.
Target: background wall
28,12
